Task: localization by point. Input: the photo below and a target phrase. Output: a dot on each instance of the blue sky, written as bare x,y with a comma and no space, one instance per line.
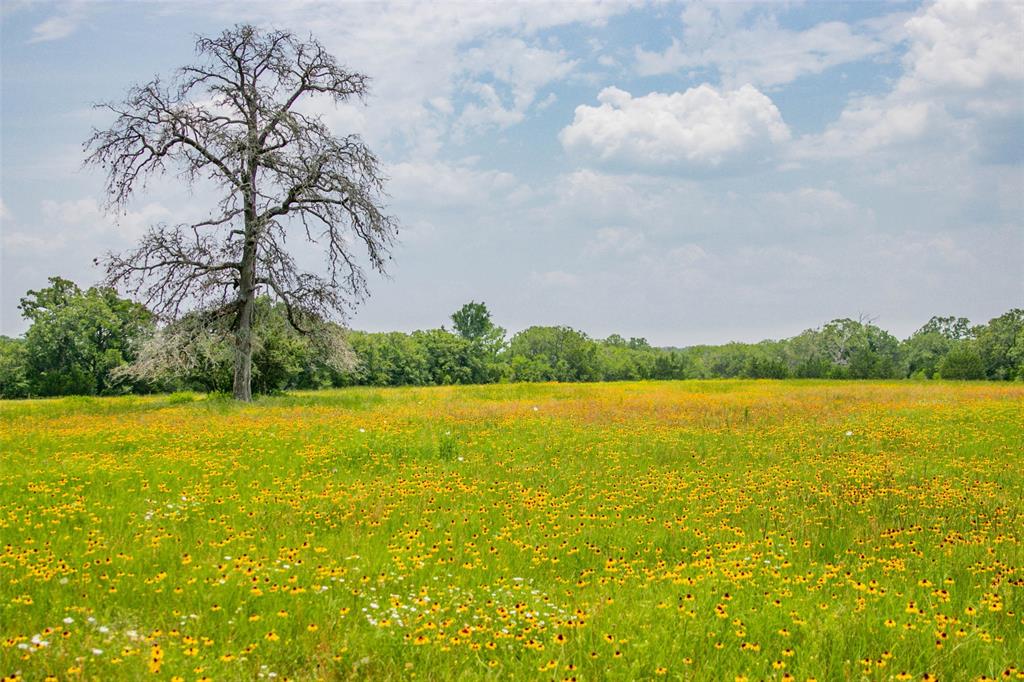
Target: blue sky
690,172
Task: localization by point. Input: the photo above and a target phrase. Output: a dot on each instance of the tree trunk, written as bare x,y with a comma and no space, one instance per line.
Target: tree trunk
242,389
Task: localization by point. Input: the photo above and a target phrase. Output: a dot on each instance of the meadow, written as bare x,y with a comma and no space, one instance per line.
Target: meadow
723,530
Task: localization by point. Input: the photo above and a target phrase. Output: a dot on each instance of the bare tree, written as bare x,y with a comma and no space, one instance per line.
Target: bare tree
233,120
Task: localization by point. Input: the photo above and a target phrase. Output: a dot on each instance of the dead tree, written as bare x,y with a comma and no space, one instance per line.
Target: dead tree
234,119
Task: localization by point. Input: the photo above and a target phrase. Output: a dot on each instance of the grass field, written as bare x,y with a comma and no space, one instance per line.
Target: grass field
691,530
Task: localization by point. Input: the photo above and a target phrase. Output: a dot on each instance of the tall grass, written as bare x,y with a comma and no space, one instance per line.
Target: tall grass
691,530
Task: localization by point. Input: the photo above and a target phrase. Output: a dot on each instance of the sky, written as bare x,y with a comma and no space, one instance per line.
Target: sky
689,173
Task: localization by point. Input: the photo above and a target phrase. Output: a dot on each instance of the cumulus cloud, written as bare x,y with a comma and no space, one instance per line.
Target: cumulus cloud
961,85
871,123
652,233
701,127
438,68
965,45
763,54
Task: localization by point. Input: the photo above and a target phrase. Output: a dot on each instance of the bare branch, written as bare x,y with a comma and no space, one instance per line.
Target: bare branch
233,119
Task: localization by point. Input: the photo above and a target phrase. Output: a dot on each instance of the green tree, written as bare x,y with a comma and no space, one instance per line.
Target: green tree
553,354
77,338
924,350
473,323
195,352
530,369
761,367
621,360
806,355
952,328
997,342
963,361
726,361
670,364
766,360
840,349
449,356
388,359
14,381
1016,355
282,357
638,343
876,355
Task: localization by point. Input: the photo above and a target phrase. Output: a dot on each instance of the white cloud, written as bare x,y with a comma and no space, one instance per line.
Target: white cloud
868,124
416,54
702,127
54,28
5,213
490,111
968,45
923,229
961,87
60,25
520,68
763,54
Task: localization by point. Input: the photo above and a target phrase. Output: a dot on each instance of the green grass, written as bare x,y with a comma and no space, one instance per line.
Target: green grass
696,530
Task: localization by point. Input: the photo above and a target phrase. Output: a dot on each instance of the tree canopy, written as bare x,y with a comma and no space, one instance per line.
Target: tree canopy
77,338
93,342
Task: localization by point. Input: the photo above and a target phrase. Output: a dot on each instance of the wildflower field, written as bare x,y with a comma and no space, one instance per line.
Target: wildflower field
673,530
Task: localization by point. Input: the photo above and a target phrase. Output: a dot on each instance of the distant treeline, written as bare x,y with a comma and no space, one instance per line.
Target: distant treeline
93,342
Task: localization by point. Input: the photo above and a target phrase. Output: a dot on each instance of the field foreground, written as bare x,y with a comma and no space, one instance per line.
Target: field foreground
691,530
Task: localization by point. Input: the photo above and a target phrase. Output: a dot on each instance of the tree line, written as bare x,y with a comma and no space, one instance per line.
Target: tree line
94,342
